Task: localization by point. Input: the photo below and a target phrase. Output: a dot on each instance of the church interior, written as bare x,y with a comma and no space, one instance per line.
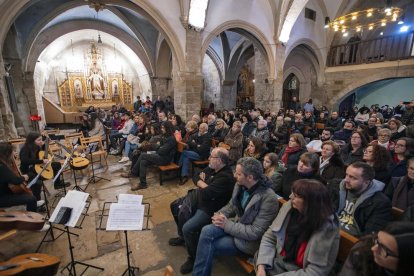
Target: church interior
58,58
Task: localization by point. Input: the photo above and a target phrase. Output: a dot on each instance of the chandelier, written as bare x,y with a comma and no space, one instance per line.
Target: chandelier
365,20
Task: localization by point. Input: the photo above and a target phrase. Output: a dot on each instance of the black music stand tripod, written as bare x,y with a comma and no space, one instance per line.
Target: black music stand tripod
93,178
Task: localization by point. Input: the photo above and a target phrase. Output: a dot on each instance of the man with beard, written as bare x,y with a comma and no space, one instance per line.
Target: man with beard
362,207
316,145
345,133
215,185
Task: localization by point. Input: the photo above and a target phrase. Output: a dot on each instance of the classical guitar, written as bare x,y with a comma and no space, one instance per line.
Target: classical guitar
45,169
78,162
21,220
20,188
30,264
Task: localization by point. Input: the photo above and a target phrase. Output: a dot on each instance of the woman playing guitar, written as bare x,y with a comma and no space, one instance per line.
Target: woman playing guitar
10,176
29,157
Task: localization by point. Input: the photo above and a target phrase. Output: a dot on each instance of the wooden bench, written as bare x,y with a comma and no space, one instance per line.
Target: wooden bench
172,166
346,242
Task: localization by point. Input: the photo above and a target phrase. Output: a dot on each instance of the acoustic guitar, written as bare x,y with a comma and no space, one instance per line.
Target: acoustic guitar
20,188
45,169
21,220
77,162
33,264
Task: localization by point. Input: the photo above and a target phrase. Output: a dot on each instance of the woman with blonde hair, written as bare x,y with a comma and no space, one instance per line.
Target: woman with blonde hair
331,165
221,130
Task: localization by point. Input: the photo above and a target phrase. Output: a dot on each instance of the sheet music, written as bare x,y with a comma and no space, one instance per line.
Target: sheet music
75,200
130,199
125,217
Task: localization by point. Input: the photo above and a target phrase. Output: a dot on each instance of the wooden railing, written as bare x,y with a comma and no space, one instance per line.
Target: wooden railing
385,48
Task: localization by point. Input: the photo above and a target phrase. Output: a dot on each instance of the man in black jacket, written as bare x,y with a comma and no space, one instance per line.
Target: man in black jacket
334,121
198,149
215,185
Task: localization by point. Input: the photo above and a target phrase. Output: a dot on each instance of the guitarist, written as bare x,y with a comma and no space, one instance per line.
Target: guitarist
29,157
10,176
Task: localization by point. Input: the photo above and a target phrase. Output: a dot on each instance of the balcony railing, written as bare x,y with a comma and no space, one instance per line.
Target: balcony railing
375,50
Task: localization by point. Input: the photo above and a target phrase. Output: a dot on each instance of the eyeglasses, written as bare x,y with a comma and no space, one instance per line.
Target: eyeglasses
368,151
383,135
383,250
214,156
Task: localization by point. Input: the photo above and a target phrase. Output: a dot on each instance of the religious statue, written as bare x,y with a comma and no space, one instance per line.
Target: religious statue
95,82
78,89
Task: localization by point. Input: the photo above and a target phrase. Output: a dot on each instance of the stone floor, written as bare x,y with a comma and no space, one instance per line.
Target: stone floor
150,249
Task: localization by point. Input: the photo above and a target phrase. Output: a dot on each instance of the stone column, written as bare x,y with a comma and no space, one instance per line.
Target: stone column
7,127
188,84
229,94
34,99
161,87
263,85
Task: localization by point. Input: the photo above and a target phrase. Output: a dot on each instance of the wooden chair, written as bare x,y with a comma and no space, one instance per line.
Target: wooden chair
319,127
88,142
172,166
72,139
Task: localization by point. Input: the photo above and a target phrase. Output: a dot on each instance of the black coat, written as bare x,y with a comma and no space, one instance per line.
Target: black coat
349,157
200,144
168,148
333,172
293,157
284,187
218,192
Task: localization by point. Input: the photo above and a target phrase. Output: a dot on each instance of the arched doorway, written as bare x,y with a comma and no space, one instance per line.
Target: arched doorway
290,89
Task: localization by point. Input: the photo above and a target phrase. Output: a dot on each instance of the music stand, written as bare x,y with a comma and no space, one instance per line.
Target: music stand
93,178
130,270
78,204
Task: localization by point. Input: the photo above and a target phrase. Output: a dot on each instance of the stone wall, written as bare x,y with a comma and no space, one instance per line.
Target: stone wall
341,81
264,96
212,90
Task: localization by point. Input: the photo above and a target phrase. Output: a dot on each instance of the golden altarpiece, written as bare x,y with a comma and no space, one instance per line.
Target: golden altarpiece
94,86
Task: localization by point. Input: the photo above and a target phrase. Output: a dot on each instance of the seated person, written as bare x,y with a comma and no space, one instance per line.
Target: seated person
290,154
362,207
345,133
162,156
400,189
234,142
354,150
330,163
261,132
10,176
388,252
122,133
404,150
384,135
237,228
221,130
255,148
198,149
378,158
308,167
271,168
315,145
215,185
304,237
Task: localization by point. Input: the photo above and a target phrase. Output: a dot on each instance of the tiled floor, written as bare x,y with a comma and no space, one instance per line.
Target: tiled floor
150,249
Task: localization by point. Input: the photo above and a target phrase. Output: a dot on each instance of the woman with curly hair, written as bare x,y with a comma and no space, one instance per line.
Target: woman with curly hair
331,165
379,159
404,150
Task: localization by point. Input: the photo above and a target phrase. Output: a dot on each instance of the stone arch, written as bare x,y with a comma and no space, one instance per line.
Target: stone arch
336,99
315,54
163,61
54,32
216,60
252,32
14,8
295,8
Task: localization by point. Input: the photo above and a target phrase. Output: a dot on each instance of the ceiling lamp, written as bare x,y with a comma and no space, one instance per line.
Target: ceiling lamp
366,19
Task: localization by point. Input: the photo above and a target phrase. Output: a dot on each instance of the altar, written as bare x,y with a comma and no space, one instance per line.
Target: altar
94,85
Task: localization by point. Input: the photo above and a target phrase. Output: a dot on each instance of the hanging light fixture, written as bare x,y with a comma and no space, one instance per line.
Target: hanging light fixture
367,19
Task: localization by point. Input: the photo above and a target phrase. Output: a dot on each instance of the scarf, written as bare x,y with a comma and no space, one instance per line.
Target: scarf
288,150
323,164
